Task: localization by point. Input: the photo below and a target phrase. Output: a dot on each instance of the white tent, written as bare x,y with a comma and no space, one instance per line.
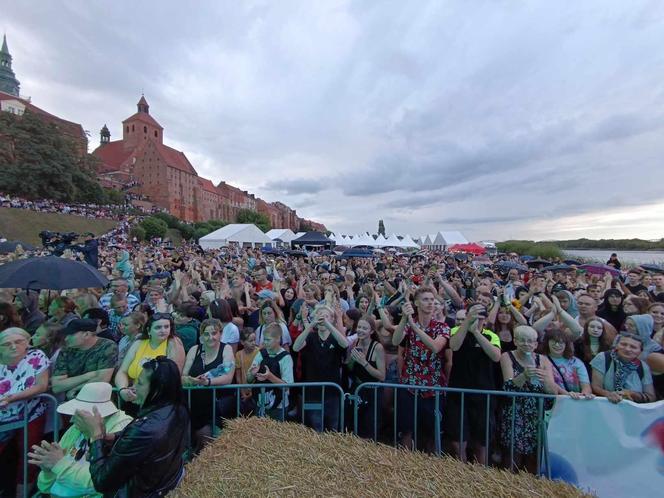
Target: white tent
283,234
407,241
393,241
235,233
426,240
362,240
381,241
454,237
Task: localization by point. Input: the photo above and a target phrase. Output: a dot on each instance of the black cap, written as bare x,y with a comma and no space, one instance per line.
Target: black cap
558,287
80,325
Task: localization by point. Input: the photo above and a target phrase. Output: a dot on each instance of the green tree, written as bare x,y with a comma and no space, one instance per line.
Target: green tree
138,232
154,227
188,231
38,161
258,219
170,220
381,228
200,232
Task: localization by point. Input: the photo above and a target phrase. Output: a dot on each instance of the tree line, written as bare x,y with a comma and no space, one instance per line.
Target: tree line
39,162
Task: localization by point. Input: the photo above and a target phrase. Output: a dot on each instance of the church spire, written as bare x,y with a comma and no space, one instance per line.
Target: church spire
8,82
105,135
143,105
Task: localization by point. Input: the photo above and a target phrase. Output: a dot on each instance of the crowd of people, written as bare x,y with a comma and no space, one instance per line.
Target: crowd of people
184,317
92,211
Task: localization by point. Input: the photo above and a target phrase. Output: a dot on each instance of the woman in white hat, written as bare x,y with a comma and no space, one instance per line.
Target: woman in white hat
23,375
65,469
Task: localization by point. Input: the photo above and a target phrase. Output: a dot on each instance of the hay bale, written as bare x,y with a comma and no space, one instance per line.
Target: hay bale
262,457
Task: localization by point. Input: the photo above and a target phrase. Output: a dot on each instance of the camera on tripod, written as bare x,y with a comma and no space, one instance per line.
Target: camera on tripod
58,242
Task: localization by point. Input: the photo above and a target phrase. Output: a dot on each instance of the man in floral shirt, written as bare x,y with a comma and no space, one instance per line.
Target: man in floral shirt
424,340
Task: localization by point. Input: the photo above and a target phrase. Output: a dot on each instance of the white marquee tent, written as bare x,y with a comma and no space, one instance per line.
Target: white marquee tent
283,234
235,233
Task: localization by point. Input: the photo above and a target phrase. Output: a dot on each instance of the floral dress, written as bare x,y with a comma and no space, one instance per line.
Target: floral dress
23,376
526,419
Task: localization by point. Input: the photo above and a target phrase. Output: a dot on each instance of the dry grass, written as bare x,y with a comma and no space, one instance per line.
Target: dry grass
262,457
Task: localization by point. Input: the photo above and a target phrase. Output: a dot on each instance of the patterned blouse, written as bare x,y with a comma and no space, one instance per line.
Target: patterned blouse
23,376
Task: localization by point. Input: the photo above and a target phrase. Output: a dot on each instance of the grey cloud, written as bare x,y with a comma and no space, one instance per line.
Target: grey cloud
297,186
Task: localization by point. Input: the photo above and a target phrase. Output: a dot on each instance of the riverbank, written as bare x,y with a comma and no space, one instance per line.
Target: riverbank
629,258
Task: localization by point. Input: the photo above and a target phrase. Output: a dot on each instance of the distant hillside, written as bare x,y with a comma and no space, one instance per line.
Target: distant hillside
25,225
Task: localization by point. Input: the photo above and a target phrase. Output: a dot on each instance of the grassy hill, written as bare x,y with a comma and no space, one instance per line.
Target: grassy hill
25,225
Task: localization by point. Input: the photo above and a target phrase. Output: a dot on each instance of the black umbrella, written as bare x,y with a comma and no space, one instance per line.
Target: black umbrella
508,265
10,246
538,262
562,267
652,268
572,262
50,272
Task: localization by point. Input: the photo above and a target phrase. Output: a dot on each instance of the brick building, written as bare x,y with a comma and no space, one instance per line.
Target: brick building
165,177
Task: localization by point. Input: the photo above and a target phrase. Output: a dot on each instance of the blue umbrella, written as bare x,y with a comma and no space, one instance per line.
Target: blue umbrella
652,268
572,262
355,253
11,245
508,265
50,272
526,257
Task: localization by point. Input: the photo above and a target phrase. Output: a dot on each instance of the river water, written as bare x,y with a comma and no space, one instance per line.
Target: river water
634,257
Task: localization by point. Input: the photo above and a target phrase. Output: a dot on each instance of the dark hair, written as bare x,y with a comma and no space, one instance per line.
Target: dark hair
558,335
165,384
55,338
235,309
221,310
10,316
97,314
585,351
354,315
156,317
246,332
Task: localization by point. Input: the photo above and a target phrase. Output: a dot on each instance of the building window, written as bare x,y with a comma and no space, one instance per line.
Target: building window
127,128
156,134
132,127
145,129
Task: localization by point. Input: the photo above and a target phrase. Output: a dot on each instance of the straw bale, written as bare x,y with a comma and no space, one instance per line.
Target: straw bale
262,457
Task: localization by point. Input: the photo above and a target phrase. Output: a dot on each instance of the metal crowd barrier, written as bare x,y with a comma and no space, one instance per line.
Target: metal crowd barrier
358,400
542,443
304,407
22,425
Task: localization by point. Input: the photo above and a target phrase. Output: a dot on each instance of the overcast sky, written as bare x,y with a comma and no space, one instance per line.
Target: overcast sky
501,119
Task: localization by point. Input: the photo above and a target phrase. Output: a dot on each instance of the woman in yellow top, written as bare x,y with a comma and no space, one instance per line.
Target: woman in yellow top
158,339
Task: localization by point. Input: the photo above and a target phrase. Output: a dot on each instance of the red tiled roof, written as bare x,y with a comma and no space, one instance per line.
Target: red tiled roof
73,129
175,158
145,118
207,185
113,155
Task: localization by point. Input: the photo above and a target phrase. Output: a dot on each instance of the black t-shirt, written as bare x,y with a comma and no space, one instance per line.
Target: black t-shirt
635,289
471,367
321,362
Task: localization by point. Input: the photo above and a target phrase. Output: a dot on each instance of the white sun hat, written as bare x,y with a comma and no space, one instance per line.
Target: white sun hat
93,394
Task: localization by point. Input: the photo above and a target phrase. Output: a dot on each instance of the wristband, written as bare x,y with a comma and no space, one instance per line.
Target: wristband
209,381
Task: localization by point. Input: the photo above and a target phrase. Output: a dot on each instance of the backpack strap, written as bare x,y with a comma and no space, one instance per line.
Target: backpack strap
608,361
559,372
